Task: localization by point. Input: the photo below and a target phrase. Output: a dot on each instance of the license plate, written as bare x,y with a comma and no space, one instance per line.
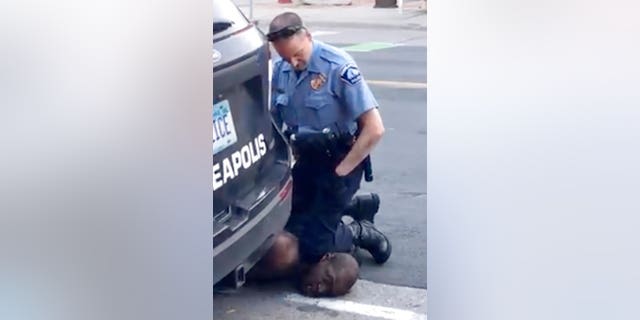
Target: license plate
224,131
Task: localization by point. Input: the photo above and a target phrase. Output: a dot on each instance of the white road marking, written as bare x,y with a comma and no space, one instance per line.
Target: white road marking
357,308
323,33
398,84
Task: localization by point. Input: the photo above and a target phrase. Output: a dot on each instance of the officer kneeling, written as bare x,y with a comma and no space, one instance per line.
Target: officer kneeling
333,125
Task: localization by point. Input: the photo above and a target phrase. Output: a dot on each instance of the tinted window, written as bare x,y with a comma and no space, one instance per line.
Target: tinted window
227,18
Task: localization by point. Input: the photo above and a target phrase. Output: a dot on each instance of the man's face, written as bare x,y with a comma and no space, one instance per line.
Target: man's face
319,281
296,50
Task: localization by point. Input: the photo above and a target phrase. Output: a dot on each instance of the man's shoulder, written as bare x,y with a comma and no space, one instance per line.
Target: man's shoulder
278,64
334,55
343,65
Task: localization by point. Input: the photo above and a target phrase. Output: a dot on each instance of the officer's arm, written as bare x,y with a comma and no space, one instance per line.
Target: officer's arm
371,132
360,103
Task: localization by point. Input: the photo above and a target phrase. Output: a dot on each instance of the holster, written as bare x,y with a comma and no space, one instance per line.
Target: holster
321,148
326,149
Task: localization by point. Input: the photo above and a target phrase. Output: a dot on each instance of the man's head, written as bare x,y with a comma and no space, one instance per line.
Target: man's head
291,39
333,276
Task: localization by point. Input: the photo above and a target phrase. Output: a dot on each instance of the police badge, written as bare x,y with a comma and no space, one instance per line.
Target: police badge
318,81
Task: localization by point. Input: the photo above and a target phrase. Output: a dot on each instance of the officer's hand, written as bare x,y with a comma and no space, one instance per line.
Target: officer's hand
340,171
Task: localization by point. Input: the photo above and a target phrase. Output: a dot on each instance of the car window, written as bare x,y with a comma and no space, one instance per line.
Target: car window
227,18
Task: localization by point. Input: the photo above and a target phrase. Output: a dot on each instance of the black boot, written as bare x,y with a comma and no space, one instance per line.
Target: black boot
366,236
363,207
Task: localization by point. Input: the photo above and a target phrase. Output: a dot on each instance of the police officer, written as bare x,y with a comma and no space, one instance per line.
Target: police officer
318,87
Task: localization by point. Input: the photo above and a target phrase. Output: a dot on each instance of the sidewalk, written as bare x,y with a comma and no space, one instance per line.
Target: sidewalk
360,14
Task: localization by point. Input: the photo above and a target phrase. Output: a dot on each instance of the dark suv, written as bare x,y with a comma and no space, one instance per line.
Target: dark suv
251,160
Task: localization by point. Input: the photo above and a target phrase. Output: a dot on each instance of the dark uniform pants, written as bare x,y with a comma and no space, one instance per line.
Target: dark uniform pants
319,199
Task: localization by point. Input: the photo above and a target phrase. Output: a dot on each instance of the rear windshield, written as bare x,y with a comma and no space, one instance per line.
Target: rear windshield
227,18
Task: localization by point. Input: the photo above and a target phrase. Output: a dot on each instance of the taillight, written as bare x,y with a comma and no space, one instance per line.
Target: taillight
286,190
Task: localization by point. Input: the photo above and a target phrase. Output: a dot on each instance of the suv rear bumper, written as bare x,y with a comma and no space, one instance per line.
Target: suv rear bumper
249,243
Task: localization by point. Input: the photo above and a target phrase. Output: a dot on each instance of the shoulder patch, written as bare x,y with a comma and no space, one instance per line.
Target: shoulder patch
350,74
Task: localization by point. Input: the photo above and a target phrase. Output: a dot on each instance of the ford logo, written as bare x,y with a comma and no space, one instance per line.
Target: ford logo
216,56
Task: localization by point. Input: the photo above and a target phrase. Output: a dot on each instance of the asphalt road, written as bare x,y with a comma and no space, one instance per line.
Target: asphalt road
400,163
396,289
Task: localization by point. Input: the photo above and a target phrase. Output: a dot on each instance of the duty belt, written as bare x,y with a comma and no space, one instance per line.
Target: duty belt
326,147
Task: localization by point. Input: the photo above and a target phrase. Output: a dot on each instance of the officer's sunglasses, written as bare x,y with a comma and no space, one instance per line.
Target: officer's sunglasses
283,33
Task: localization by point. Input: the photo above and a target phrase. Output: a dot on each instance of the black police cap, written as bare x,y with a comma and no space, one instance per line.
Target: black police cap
284,26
